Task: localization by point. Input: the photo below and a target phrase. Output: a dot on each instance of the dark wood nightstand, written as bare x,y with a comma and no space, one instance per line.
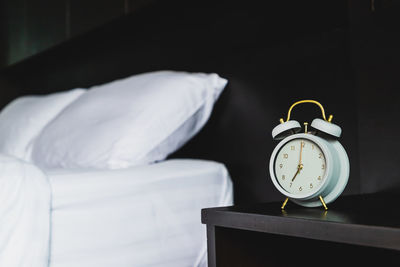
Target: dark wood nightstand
362,229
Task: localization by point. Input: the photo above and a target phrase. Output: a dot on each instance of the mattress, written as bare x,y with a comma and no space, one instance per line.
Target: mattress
141,216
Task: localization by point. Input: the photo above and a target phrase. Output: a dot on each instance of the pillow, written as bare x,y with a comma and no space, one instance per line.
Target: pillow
23,119
133,121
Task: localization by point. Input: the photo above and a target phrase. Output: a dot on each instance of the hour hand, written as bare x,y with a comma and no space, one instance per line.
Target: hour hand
298,170
299,167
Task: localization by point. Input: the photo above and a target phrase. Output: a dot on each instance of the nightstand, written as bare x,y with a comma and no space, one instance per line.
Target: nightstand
363,229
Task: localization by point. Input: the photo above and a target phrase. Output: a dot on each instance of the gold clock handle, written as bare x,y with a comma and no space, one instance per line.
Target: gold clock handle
309,101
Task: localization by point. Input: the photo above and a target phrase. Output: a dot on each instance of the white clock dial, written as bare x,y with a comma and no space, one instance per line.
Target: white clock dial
300,166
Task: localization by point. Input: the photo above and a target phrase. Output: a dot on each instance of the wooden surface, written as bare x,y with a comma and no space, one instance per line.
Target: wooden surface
369,220
366,227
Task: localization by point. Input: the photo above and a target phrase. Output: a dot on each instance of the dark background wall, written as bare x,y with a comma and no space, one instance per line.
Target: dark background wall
343,53
376,63
32,26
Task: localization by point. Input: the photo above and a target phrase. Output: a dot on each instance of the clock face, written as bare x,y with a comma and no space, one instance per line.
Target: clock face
300,166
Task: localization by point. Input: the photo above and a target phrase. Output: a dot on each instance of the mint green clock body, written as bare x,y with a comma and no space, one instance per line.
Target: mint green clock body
305,167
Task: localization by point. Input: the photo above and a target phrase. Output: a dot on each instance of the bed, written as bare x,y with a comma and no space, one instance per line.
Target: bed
141,216
85,180
157,206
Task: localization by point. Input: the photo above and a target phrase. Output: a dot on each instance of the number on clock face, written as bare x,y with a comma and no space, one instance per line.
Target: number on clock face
300,166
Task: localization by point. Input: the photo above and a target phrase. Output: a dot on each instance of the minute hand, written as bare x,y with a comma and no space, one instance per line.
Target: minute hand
301,150
300,166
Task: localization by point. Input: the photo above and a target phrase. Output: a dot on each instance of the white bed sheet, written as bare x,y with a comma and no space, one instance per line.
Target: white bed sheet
141,216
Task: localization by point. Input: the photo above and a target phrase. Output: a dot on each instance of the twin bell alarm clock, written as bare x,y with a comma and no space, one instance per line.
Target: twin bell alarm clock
309,167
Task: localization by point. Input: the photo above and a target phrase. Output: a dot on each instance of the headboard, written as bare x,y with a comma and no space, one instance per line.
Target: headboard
272,52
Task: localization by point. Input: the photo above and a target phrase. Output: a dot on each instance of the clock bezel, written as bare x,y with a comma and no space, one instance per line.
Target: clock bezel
328,172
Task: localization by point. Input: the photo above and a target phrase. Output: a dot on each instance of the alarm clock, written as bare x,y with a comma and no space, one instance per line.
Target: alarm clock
309,168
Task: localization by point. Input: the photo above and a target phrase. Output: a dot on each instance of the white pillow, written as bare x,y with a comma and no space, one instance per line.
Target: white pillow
137,120
23,119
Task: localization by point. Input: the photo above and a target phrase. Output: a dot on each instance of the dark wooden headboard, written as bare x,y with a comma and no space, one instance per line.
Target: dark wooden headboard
272,52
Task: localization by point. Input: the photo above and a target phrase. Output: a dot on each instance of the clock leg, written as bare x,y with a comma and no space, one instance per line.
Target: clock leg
284,203
323,202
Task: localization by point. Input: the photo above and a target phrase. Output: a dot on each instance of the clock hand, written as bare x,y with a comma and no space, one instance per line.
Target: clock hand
298,170
300,166
301,150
